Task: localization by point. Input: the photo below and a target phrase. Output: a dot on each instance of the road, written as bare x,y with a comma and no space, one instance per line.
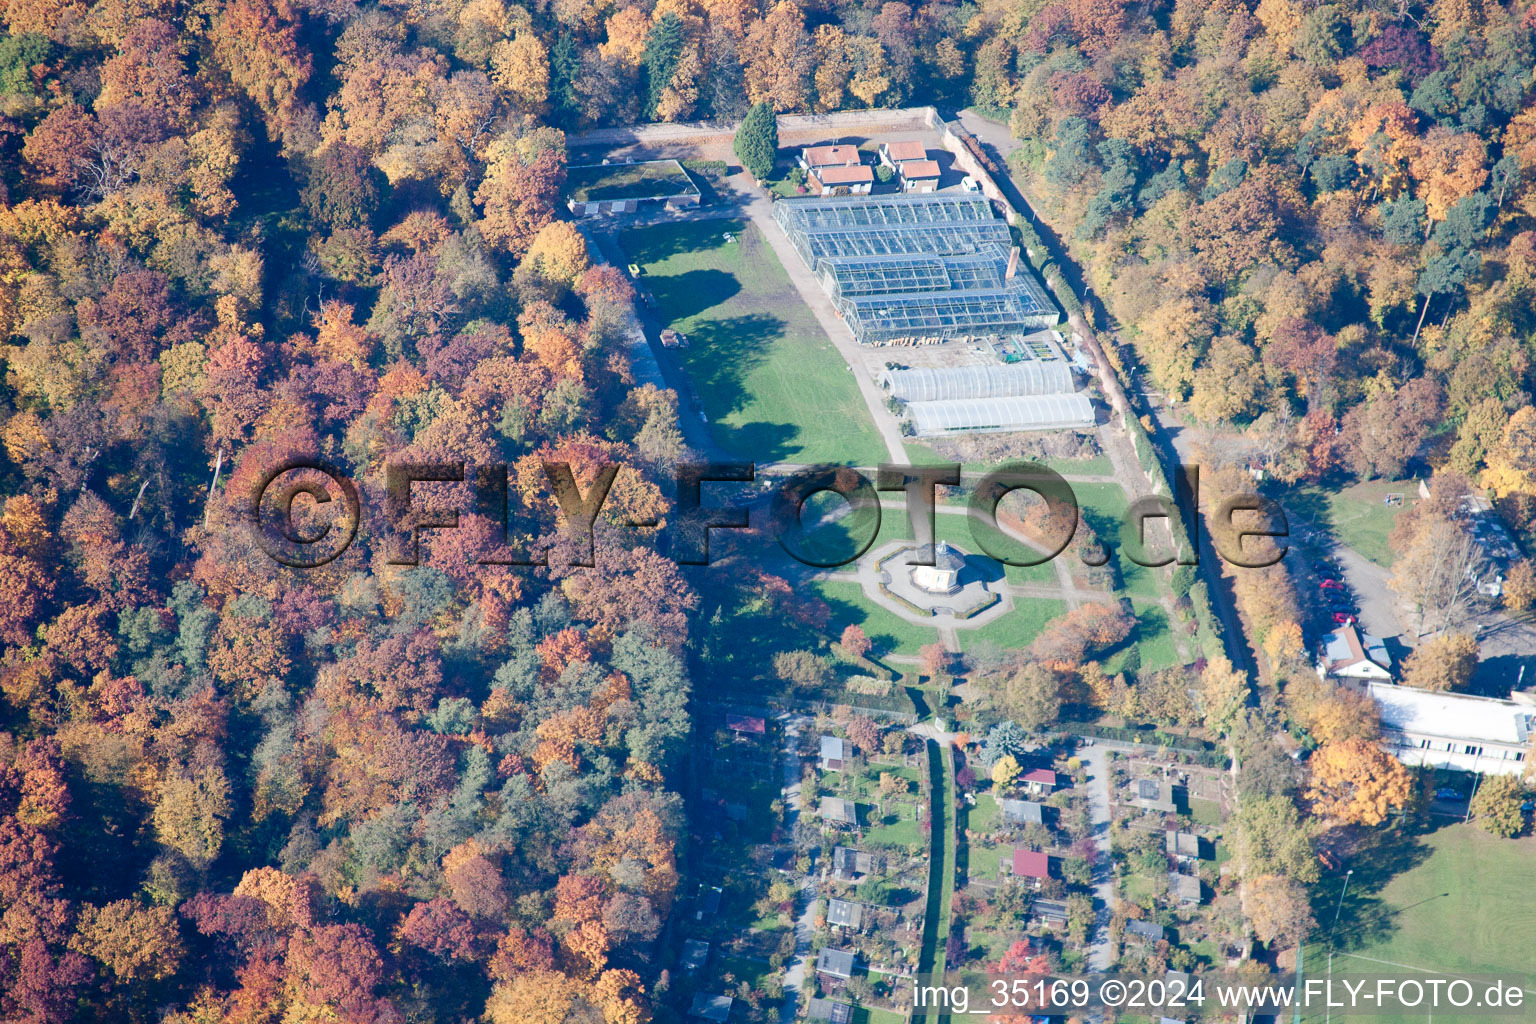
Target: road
805,923
1096,764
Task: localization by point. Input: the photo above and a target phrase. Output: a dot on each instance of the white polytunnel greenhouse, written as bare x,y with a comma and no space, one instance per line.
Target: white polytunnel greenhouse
928,384
1015,412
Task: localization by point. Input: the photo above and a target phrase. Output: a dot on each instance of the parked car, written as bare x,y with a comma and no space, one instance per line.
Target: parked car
1344,619
1323,568
1447,794
1330,584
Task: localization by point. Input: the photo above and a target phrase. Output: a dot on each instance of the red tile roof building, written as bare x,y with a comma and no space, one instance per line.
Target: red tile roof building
904,150
1031,864
830,156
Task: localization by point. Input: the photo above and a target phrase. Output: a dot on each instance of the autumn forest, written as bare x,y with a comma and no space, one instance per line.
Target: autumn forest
238,231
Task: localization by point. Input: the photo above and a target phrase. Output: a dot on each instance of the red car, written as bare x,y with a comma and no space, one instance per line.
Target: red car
1343,618
1330,585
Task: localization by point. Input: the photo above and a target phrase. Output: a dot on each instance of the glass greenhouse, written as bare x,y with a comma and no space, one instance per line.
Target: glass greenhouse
847,276
927,317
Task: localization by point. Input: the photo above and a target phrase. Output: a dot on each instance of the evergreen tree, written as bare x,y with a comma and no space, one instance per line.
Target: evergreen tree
757,140
663,47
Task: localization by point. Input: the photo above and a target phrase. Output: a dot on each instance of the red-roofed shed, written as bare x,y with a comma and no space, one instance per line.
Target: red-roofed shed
1031,864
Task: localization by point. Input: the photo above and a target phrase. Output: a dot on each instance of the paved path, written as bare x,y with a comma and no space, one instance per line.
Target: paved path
1096,764
805,924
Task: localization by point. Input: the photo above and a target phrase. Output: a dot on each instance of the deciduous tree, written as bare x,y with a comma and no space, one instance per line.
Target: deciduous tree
1356,782
1444,662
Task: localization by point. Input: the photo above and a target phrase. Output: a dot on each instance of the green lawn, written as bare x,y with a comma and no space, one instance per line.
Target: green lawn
1015,630
865,786
1359,516
986,815
1466,905
941,866
1103,506
984,861
1153,635
1206,812
889,632
770,380
899,830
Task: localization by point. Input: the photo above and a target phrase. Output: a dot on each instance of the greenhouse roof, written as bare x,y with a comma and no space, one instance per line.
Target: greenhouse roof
929,384
884,211
1018,412
966,313
817,245
916,272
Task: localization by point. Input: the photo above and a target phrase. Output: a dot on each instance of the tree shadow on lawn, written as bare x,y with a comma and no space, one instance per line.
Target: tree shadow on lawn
1365,918
690,293
736,346
848,611
1149,623
652,245
1312,504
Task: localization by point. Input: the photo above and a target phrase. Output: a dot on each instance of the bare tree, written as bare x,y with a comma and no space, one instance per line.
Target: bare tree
1438,574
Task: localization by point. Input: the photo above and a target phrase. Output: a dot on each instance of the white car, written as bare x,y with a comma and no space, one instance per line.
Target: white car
969,184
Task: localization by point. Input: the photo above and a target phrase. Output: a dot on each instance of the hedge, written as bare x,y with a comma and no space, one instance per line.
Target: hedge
706,166
888,592
1199,750
980,608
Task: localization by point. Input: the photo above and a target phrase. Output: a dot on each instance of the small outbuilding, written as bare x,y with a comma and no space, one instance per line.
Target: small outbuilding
840,155
1033,865
1023,812
902,151
836,963
1182,844
695,955
849,865
1144,931
834,751
746,725
708,903
919,175
1184,888
1051,912
1041,780
829,1010
845,914
837,811
1349,654
710,1007
1155,795
858,180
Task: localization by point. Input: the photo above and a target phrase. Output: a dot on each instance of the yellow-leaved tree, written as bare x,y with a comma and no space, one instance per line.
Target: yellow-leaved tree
1356,782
